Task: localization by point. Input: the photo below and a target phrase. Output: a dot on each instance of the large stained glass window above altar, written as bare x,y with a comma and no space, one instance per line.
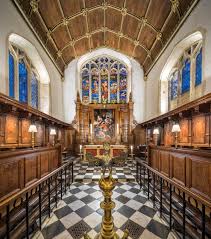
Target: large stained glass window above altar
104,80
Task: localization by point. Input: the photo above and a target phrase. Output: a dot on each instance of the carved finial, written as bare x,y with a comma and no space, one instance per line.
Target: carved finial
145,78
78,97
159,36
124,11
174,5
34,5
59,53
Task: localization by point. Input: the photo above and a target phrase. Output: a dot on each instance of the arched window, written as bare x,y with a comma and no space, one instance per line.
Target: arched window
104,80
186,76
11,75
22,70
174,84
34,91
198,72
23,78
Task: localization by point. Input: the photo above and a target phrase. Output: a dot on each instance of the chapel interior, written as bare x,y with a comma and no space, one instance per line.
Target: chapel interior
105,119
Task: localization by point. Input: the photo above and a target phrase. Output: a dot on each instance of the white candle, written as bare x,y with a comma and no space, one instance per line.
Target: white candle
131,148
117,129
91,129
80,148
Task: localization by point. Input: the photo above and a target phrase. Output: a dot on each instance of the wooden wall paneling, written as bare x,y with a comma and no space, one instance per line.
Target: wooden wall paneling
154,159
25,135
11,171
199,175
178,168
30,169
44,166
164,162
11,130
2,131
183,138
39,136
200,130
168,136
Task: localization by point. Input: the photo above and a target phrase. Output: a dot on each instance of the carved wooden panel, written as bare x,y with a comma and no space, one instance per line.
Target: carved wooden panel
25,135
178,168
10,176
168,136
165,163
184,134
31,169
199,175
154,159
11,130
44,164
200,130
39,135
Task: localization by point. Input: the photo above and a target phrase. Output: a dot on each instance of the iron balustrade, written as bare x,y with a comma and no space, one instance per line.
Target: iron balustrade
20,212
187,213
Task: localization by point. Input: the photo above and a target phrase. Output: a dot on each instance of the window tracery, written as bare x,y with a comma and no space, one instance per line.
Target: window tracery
186,75
104,80
23,77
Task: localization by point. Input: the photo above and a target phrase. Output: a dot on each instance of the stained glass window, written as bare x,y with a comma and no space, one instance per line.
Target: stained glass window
174,84
123,86
34,91
11,75
85,86
186,76
198,72
23,86
104,80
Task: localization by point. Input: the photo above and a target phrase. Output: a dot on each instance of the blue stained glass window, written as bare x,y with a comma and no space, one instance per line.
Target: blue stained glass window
174,85
34,91
11,75
186,77
23,88
198,78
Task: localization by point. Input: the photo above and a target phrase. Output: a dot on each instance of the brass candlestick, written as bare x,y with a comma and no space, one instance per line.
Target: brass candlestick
32,140
107,184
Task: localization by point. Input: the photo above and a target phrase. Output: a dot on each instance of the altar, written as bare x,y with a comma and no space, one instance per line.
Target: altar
97,150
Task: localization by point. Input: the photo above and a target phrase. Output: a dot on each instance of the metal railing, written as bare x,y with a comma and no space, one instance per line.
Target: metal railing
187,213
25,211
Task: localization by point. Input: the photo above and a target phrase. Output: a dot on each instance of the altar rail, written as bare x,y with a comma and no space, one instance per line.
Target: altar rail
20,168
188,213
24,212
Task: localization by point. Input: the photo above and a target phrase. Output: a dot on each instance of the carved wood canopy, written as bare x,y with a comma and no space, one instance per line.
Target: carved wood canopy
138,28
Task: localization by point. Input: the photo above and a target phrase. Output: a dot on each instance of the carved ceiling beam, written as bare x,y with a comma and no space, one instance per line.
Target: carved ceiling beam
109,30
124,13
85,14
105,6
65,23
35,9
142,24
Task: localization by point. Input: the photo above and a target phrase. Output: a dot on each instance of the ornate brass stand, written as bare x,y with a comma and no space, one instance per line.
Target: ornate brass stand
107,184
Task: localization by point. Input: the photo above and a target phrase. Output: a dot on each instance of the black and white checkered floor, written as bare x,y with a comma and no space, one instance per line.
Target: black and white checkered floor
85,173
80,212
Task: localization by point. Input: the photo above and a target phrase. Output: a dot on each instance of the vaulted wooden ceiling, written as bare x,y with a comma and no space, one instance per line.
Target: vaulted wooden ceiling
138,28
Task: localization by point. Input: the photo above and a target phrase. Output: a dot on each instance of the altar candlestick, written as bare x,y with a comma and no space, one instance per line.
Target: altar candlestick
80,148
131,149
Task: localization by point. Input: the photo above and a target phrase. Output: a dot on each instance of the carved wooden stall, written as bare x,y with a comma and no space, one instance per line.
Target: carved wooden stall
15,119
189,168
194,120
20,168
